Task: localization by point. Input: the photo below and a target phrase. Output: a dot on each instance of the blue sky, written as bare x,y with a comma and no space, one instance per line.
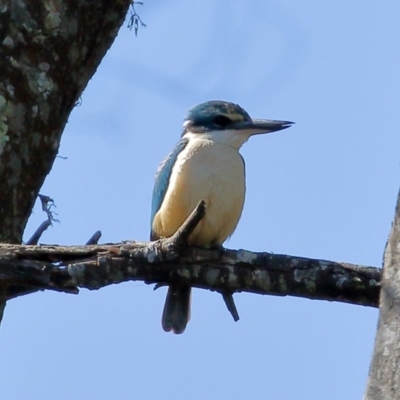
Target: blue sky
325,188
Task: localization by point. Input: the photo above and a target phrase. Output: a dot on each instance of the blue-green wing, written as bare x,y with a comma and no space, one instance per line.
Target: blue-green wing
162,180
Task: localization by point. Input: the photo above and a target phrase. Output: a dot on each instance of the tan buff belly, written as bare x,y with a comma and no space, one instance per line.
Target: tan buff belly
208,171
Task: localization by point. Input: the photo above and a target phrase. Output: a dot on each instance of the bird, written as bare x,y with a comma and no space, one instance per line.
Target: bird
204,165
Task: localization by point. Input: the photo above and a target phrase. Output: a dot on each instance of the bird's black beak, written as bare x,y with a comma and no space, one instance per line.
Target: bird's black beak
257,126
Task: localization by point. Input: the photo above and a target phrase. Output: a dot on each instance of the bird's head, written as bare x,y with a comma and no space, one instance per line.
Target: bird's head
226,122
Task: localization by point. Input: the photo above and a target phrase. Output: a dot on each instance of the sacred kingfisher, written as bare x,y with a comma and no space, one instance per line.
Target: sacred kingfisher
204,165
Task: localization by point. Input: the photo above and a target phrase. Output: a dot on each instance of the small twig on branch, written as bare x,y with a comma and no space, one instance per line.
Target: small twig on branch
47,205
230,305
3,300
94,239
34,239
134,20
179,240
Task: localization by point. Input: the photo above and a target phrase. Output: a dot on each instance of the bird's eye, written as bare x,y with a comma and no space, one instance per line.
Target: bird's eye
221,121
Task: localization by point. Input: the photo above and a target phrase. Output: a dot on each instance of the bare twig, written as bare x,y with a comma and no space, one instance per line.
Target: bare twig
230,305
47,205
94,239
135,21
179,240
34,239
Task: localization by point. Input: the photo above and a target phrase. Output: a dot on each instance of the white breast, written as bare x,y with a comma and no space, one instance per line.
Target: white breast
210,171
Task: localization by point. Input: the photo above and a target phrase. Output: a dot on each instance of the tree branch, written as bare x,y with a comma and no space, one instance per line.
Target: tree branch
26,269
93,267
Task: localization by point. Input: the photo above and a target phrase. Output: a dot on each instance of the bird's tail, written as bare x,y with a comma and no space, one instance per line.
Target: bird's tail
176,312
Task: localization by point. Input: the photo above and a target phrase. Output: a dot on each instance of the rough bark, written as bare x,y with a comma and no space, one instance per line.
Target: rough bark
48,52
224,271
384,374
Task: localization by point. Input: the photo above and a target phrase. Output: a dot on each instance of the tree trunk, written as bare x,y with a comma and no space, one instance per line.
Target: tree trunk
384,374
48,53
